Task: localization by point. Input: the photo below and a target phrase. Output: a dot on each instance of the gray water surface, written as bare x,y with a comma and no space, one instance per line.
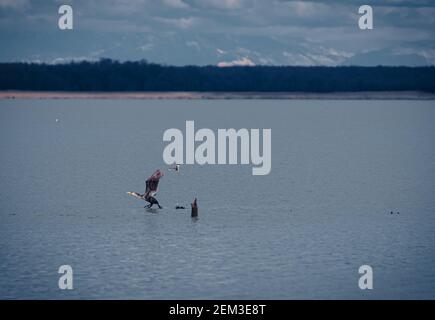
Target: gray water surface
338,169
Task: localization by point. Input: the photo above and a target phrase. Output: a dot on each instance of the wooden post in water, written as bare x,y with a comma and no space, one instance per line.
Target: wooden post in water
194,205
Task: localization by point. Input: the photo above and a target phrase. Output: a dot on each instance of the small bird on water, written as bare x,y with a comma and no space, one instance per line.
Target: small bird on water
175,167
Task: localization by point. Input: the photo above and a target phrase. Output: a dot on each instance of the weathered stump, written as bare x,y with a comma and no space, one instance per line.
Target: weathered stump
194,205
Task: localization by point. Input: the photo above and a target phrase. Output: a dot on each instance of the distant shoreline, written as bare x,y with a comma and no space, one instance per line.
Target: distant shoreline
381,95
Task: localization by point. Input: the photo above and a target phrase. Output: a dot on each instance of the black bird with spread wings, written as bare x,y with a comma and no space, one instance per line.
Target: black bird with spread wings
150,190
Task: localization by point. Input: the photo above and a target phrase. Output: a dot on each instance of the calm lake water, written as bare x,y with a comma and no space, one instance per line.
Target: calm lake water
338,169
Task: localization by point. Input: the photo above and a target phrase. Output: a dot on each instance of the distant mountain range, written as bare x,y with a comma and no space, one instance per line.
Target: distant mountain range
213,49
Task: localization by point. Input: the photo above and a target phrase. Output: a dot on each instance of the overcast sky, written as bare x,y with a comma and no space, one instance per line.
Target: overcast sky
224,32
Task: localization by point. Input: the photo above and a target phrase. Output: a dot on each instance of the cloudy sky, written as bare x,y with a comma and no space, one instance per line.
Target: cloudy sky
221,32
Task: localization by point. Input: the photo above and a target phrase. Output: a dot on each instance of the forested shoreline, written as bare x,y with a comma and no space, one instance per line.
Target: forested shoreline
108,75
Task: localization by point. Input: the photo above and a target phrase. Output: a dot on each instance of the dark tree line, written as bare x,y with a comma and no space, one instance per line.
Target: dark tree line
109,75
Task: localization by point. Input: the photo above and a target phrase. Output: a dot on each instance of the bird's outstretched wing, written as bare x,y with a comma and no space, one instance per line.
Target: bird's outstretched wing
152,183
